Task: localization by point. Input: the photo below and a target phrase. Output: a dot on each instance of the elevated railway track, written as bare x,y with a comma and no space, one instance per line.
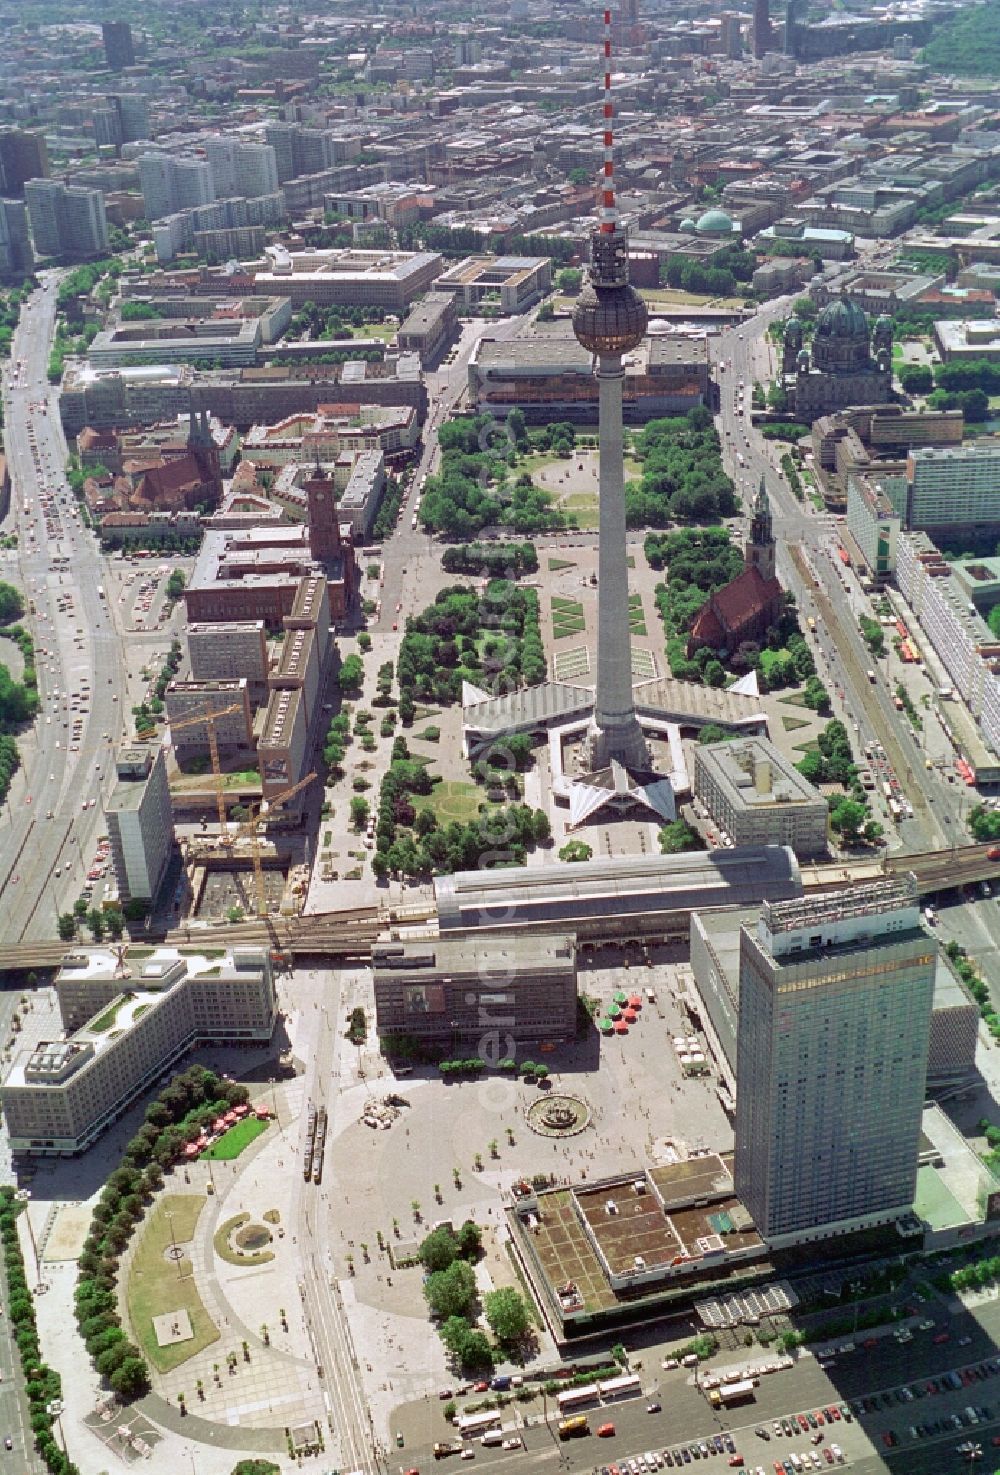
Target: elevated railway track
347,936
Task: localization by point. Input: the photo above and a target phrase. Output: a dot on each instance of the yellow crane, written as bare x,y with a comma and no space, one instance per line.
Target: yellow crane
250,829
208,719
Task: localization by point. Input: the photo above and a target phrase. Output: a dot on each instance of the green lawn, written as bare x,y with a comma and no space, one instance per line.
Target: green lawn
792,724
451,799
571,606
795,699
556,565
157,1286
581,507
232,1143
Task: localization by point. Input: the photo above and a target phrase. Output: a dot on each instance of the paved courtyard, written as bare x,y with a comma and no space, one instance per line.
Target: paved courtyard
639,1115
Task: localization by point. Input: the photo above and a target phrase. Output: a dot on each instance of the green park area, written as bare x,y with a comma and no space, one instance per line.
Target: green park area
233,1142
451,799
159,1285
567,617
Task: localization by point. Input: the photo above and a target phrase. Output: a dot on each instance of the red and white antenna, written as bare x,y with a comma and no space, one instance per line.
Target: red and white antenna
609,212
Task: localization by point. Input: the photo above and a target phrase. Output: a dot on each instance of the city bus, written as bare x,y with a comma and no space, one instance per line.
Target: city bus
577,1397
626,1386
471,1425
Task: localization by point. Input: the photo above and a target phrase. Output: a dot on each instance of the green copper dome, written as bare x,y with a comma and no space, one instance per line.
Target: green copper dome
842,319
686,225
714,222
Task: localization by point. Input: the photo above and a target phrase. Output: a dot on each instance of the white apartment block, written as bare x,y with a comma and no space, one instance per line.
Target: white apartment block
757,797
122,1029
964,643
954,486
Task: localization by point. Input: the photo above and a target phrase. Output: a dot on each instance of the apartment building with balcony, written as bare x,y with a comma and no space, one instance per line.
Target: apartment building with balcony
123,1028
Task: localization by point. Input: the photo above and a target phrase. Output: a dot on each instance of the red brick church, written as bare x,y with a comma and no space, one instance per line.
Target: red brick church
746,607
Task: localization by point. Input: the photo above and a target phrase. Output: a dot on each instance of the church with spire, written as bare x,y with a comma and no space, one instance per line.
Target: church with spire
745,608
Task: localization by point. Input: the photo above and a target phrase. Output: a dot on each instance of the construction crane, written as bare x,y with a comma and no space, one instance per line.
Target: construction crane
250,830
208,720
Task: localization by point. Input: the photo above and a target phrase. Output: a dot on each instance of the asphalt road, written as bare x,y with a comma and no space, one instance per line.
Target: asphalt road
687,1418
75,644
808,565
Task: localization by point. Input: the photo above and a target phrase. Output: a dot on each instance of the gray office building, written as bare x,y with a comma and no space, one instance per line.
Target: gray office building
833,1037
140,822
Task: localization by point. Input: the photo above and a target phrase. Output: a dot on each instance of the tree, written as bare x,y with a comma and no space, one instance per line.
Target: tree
439,1249
130,1378
569,279
360,809
351,674
470,1240
917,379
451,1292
256,1467
507,1313
679,836
847,818
11,604
575,850
66,926
467,1345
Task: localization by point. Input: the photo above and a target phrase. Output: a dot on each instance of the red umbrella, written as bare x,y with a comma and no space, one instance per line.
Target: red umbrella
630,1016
621,1029
635,1002
240,1110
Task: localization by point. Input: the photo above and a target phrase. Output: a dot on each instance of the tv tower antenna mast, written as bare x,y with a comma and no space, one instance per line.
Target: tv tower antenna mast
610,319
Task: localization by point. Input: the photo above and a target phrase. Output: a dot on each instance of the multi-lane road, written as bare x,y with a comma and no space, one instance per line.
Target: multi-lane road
44,829
685,1417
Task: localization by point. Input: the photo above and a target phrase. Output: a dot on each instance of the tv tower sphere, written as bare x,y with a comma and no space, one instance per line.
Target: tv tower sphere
609,316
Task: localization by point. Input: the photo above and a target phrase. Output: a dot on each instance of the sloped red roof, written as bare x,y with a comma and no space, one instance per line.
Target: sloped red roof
735,605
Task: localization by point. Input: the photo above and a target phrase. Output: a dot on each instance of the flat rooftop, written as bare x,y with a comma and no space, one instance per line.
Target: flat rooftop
624,885
622,1219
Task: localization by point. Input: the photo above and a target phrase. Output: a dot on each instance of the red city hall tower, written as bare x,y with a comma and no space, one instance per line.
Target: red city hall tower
326,544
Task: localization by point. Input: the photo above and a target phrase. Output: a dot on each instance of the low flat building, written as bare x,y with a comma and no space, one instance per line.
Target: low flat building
968,340
551,377
350,278
517,281
140,822
650,895
124,1027
333,431
757,797
226,343
487,994
641,1244
429,326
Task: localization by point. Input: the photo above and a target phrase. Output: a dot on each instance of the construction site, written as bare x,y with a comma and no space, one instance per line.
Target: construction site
238,868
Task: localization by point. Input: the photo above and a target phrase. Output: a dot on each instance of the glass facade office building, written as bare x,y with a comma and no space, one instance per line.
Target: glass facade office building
833,1035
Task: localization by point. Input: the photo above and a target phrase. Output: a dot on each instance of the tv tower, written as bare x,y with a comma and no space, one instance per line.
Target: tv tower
609,319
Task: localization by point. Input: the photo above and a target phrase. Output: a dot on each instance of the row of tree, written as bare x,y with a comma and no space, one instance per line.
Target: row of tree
497,560
191,1101
43,1385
